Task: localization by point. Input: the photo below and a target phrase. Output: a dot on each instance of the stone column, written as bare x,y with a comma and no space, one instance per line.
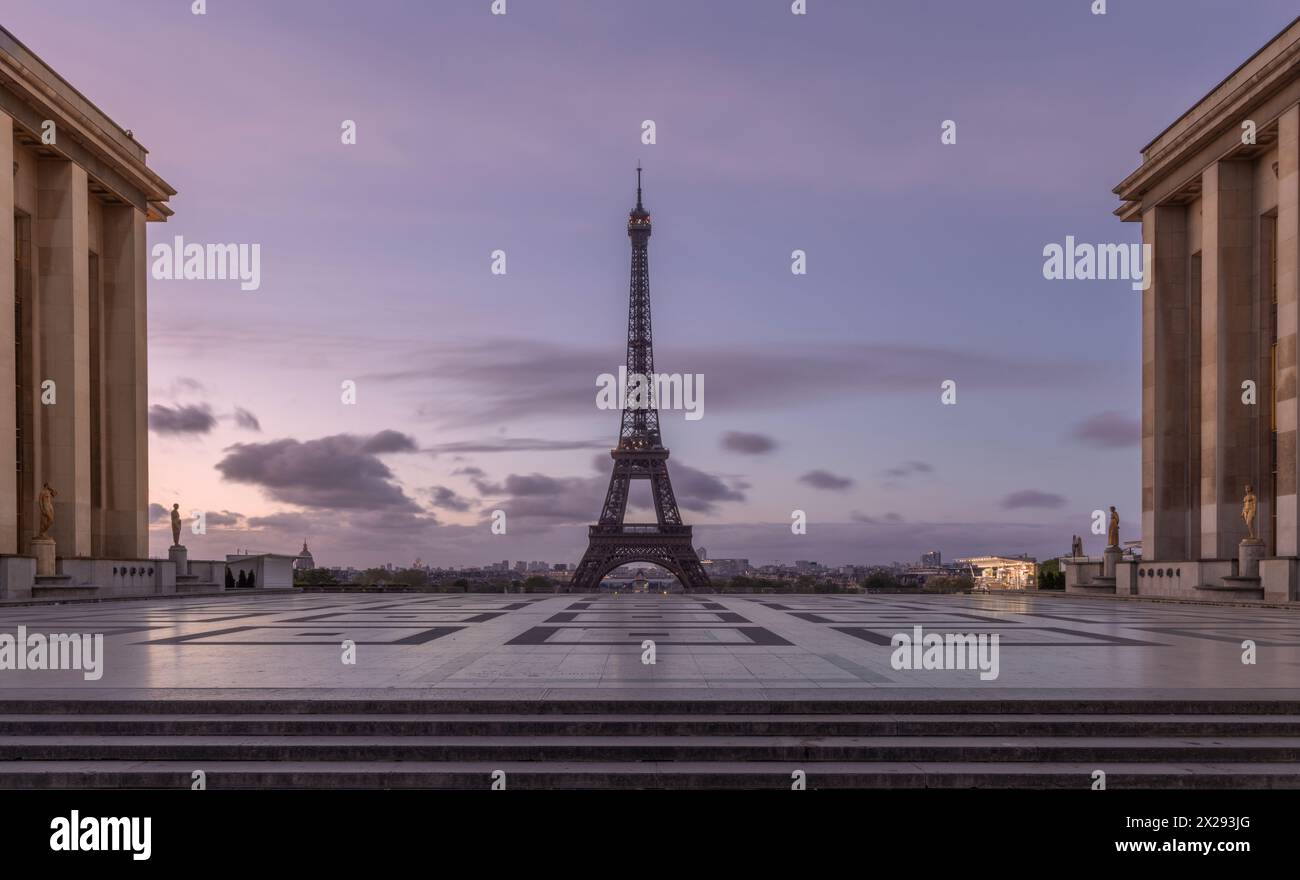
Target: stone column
62,247
126,437
1167,480
8,405
1288,288
1228,357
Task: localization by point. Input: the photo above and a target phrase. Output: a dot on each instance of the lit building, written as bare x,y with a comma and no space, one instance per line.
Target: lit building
1002,572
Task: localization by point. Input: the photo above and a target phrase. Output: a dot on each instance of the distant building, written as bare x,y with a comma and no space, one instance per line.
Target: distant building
932,559
304,561
726,568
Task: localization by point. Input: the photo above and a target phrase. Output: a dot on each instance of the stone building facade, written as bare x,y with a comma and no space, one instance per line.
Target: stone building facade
75,195
1218,197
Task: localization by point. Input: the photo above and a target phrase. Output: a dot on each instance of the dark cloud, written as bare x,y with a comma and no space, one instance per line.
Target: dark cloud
890,517
537,500
909,467
339,472
533,499
517,444
700,491
245,419
747,444
222,518
158,513
492,381
179,420
387,441
1108,430
441,496
1032,498
820,479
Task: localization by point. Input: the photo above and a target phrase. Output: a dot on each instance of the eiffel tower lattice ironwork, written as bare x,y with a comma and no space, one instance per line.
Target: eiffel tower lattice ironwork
640,454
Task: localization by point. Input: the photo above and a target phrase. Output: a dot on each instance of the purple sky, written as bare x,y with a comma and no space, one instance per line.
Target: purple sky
775,132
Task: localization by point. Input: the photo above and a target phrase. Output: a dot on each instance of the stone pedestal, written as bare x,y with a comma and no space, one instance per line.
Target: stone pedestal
43,550
1249,553
179,555
1109,559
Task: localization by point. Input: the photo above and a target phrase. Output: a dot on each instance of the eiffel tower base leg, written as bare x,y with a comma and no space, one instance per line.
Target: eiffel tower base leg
670,548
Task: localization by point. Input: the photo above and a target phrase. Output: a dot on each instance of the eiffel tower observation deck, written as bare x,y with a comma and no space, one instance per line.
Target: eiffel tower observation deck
640,454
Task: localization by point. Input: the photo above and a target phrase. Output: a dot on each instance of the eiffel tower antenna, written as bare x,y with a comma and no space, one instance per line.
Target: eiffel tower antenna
640,453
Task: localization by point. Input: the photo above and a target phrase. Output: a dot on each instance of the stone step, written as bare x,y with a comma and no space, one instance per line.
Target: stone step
191,584
641,775
62,588
551,749
607,706
648,725
1247,588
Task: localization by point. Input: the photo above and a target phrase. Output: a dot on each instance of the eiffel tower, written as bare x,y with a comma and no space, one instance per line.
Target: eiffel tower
640,454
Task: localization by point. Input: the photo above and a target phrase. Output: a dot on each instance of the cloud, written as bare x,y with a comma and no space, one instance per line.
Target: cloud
1108,430
493,380
747,444
178,420
441,496
223,518
910,467
158,513
820,479
245,419
338,472
700,491
890,517
517,444
534,500
1032,498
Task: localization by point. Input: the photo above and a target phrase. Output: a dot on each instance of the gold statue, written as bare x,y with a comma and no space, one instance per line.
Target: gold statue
176,524
1248,512
1112,534
46,503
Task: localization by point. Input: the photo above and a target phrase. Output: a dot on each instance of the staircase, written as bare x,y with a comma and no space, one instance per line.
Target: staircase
755,744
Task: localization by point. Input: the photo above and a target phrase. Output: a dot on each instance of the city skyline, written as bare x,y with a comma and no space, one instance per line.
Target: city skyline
823,390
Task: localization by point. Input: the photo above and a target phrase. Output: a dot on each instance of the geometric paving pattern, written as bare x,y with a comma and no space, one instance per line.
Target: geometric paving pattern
718,642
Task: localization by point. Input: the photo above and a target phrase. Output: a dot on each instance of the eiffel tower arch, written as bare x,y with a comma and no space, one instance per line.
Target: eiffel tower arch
639,455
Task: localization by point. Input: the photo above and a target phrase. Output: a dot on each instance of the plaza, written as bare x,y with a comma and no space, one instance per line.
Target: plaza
713,644
557,691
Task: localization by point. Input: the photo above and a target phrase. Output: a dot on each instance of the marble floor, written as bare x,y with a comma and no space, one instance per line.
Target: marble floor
492,644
